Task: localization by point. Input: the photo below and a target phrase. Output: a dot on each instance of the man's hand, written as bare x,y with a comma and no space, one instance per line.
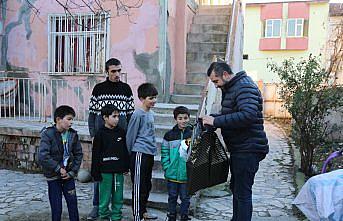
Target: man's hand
207,120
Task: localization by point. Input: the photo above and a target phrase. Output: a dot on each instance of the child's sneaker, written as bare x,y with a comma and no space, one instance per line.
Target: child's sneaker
185,218
171,217
93,215
147,216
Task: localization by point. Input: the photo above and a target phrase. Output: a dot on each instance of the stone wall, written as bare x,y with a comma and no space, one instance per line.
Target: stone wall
19,149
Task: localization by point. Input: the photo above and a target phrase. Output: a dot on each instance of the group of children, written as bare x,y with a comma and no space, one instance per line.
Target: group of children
116,152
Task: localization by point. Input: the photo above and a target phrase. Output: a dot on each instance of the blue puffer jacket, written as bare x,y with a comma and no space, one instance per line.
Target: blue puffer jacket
241,118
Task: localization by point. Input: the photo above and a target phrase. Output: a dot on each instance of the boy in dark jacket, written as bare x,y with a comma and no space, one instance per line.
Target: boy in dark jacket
60,155
110,159
174,166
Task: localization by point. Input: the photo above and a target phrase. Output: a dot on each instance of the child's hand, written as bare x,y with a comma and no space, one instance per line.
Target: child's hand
65,177
63,172
126,173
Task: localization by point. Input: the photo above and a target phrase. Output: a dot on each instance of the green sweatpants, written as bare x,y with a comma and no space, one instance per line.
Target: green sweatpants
111,191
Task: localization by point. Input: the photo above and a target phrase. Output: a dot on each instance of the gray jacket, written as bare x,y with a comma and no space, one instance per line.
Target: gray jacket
50,154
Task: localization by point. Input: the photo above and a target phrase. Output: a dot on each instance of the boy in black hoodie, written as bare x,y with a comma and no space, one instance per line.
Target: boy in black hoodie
110,159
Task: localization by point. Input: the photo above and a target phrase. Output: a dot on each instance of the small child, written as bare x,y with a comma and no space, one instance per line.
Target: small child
174,165
60,155
141,142
110,159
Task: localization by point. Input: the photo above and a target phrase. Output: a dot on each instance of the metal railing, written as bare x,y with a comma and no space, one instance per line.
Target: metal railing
35,96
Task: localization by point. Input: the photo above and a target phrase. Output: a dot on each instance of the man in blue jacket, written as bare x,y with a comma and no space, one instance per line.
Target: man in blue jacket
241,123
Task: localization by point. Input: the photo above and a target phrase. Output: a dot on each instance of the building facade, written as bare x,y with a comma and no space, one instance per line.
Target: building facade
279,30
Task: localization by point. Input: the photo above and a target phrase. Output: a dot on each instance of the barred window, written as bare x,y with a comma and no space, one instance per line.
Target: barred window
78,43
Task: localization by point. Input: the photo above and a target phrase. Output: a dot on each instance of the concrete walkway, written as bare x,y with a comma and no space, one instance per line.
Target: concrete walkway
273,191
24,196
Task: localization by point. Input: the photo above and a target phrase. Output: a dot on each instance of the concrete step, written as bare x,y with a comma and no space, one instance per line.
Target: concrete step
165,108
209,28
206,47
211,19
196,78
214,10
189,89
159,184
198,66
207,37
161,129
156,200
204,56
167,119
188,99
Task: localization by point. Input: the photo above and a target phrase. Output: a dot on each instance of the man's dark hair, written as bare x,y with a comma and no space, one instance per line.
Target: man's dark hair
181,110
62,111
147,90
219,68
108,109
111,61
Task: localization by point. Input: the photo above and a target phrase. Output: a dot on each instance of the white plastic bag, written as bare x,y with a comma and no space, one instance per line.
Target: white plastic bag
321,198
183,151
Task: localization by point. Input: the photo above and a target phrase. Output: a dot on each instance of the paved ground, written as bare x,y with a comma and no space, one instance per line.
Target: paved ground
24,196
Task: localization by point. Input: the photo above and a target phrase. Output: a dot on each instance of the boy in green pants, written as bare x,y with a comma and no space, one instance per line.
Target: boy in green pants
110,159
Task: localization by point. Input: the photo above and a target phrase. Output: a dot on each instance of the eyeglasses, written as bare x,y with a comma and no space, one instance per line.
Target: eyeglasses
114,71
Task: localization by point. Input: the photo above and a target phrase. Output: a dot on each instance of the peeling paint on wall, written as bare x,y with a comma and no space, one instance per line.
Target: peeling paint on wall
148,64
24,14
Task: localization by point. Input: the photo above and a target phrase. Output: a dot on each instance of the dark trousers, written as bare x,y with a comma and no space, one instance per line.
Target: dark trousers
175,190
96,194
243,167
55,190
141,171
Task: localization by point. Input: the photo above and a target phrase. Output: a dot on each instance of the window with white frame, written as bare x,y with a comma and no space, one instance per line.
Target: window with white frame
78,43
272,28
295,27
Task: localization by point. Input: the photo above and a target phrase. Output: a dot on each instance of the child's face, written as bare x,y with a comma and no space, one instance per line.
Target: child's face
149,102
112,120
182,120
65,123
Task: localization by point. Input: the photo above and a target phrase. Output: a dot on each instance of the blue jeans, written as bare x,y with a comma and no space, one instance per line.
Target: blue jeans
96,194
174,190
55,190
243,167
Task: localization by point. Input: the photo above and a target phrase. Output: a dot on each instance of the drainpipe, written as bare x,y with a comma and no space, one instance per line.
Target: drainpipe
162,54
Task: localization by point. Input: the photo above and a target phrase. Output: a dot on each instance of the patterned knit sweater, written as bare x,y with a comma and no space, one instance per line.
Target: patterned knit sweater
118,94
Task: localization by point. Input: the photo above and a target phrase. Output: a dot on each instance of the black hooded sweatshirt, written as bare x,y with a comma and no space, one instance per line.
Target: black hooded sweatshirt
109,153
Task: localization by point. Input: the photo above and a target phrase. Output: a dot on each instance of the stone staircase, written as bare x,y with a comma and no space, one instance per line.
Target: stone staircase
207,38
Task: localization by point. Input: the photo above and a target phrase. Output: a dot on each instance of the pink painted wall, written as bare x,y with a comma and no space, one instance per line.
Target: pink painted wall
298,10
125,37
297,43
270,44
180,20
271,11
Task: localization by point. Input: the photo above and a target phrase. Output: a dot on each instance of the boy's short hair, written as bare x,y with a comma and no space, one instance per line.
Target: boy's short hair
147,90
62,111
108,109
111,61
181,110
